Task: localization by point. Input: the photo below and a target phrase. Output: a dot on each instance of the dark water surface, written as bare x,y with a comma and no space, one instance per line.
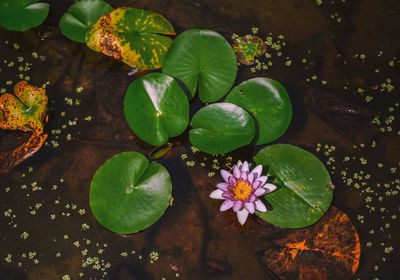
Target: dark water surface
340,64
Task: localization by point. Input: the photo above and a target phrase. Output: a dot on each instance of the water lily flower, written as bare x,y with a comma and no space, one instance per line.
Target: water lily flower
241,190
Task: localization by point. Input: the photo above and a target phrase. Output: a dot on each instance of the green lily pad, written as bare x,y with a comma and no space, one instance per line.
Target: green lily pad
268,102
129,194
133,36
26,109
221,127
20,15
202,59
81,16
304,195
156,108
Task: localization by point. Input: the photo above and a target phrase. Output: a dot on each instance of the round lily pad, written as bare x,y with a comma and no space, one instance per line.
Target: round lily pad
81,16
128,194
20,15
268,102
134,36
202,59
304,195
156,108
221,127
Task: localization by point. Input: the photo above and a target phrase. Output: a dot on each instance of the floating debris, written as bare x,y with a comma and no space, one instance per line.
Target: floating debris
248,47
161,151
44,31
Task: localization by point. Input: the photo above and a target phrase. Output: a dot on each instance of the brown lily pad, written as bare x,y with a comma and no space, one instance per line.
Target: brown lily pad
10,159
328,250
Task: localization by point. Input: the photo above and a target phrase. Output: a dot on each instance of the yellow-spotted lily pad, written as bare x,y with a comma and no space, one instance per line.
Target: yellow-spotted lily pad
134,36
25,109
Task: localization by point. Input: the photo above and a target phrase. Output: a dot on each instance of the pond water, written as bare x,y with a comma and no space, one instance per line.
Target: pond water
339,61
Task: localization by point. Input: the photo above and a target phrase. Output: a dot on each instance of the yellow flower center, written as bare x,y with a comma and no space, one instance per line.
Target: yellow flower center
241,190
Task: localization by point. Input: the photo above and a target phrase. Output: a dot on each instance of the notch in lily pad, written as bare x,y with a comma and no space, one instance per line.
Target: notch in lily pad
221,128
156,108
21,15
81,16
202,59
129,194
268,102
304,194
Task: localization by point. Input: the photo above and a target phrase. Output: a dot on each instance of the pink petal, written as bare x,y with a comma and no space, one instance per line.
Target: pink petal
257,171
256,185
259,191
232,181
225,175
242,215
227,204
252,198
244,176
217,194
227,194
262,179
260,206
237,205
269,187
222,186
245,167
250,178
236,172
249,207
